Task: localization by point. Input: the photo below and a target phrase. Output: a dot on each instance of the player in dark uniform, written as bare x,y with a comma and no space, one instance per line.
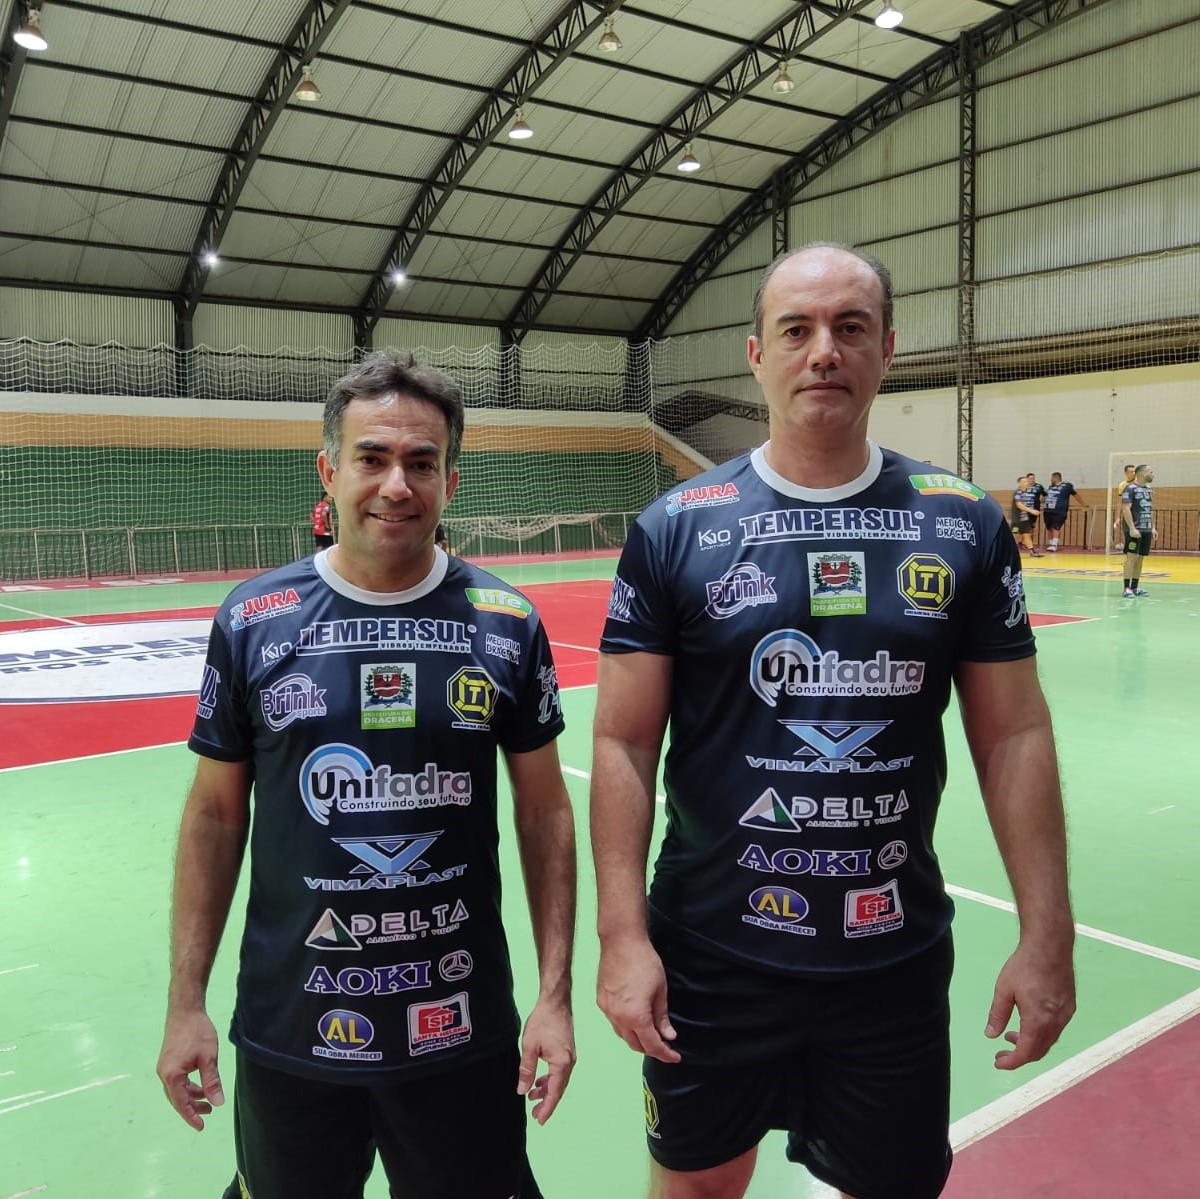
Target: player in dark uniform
1058,503
362,694
1137,508
797,616
1024,514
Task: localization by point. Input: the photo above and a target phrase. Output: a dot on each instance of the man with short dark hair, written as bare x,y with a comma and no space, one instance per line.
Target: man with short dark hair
796,617
1137,509
361,695
1058,502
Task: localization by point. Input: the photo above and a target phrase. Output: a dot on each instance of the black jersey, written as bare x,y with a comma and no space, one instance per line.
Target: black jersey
373,940
1140,498
813,634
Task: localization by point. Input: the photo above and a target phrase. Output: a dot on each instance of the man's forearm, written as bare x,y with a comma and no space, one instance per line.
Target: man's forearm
547,846
207,864
622,820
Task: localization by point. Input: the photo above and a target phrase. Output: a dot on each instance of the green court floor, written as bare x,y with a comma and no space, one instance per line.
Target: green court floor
86,847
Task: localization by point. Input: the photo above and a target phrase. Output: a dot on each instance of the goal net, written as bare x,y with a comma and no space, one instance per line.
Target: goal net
123,462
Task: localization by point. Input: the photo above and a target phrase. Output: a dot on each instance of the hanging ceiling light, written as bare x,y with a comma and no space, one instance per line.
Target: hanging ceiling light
784,83
209,258
30,36
520,130
890,17
307,89
398,276
689,162
609,42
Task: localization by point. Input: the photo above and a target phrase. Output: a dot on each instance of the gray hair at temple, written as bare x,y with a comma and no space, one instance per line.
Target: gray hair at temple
385,371
881,273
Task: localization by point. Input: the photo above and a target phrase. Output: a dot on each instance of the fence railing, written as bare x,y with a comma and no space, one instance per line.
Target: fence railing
1087,528
29,555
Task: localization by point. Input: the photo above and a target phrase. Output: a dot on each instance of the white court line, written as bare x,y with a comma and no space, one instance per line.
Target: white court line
587,649
87,1086
30,1191
41,615
1085,930
14,1098
1016,1103
18,969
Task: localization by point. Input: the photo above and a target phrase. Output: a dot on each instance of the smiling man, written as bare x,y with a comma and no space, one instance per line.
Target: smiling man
796,617
361,695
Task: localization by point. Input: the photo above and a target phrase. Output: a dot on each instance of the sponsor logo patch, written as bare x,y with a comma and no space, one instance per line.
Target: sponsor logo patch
742,586
822,524
837,584
388,696
875,910
946,485
488,599
714,495
263,607
779,909
927,582
471,696
438,1024
345,1035
295,697
342,776
789,662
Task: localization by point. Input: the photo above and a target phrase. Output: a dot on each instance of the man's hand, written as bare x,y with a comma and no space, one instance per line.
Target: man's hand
1040,984
632,992
190,1045
549,1037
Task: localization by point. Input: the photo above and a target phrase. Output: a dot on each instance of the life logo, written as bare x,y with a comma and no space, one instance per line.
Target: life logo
713,495
258,608
743,585
927,582
779,909
345,1035
791,663
439,1024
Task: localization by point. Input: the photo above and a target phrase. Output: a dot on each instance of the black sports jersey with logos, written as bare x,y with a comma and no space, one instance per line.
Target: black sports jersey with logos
1058,498
1140,498
813,634
373,940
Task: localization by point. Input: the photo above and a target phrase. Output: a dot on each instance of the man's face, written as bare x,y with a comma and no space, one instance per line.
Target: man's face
1148,475
391,487
1130,474
1056,478
823,352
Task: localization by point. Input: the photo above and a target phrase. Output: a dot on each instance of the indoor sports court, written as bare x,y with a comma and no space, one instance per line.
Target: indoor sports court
210,211
93,789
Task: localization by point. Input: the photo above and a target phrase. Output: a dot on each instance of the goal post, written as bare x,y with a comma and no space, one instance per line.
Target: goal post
1176,499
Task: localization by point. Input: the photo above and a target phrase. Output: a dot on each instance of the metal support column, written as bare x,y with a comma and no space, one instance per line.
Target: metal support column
966,258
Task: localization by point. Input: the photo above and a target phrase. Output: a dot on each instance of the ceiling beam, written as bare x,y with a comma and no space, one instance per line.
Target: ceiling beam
801,28
313,26
929,79
573,25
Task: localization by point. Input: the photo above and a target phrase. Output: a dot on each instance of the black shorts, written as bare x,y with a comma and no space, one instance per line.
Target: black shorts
856,1070
438,1137
1138,543
1022,523
1055,520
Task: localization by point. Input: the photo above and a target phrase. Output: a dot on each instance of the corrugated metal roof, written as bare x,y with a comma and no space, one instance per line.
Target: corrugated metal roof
149,124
